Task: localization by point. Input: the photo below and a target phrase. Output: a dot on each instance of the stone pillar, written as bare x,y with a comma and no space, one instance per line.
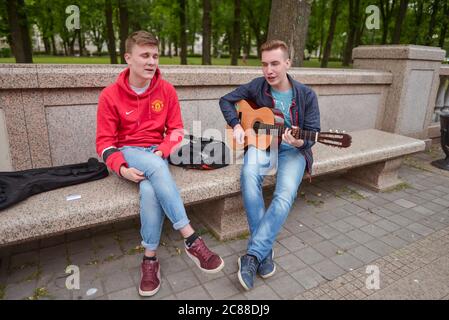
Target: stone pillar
411,98
378,176
225,218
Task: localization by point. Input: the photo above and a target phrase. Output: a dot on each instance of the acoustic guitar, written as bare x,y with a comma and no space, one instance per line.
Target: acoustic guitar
264,124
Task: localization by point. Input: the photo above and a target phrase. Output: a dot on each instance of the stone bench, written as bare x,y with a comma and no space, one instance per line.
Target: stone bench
373,160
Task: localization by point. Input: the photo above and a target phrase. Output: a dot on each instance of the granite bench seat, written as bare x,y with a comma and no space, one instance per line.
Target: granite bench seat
373,160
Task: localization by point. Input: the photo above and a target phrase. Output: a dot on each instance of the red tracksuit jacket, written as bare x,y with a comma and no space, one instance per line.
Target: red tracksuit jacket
127,119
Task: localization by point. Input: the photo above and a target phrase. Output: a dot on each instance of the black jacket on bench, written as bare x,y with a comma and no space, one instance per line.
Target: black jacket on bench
19,185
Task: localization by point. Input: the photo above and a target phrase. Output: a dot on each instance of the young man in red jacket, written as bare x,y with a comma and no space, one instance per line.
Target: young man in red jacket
138,125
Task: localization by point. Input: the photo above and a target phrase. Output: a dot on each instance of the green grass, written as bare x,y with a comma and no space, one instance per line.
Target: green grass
312,63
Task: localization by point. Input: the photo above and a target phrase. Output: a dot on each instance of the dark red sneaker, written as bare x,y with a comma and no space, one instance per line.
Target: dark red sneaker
205,259
150,280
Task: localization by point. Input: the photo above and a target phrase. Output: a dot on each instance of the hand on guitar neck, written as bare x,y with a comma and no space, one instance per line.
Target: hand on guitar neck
239,136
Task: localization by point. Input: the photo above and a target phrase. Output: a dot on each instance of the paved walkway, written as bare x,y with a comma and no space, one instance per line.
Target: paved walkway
335,231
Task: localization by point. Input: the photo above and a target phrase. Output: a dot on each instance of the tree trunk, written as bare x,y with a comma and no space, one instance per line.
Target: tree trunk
323,13
418,21
386,12
289,21
399,21
444,26
110,32
20,36
183,35
330,35
432,23
354,14
72,42
162,46
53,45
47,45
235,43
124,28
81,42
207,32
169,48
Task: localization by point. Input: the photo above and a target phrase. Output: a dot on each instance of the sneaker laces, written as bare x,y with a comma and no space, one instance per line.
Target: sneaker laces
149,268
203,250
252,266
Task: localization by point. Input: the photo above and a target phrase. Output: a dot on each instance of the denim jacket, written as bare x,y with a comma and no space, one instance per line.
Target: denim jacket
304,111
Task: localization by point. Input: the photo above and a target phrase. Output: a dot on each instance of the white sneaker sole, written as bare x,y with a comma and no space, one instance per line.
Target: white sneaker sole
272,272
240,277
153,292
198,264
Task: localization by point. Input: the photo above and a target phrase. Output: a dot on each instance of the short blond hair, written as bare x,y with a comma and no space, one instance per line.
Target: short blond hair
140,38
273,45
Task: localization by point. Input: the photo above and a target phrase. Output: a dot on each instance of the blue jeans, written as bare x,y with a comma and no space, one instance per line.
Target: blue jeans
158,194
264,224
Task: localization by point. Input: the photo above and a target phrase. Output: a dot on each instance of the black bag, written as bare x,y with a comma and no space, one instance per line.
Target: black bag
19,185
202,154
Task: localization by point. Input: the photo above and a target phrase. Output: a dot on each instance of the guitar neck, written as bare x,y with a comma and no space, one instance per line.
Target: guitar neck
279,130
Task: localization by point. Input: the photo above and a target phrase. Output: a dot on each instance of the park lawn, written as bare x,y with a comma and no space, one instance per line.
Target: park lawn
312,63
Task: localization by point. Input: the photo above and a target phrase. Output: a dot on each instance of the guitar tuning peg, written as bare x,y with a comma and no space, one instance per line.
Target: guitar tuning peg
336,131
330,130
343,131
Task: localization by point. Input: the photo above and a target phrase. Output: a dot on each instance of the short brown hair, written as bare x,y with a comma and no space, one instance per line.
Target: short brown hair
140,38
273,45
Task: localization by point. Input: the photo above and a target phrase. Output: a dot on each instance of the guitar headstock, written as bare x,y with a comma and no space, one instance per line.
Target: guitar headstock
335,138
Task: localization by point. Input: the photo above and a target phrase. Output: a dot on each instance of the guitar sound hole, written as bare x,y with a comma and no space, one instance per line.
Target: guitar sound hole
256,126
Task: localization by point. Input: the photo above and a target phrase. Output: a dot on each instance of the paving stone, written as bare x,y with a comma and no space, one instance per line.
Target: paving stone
423,211
326,248
379,247
308,278
263,292
328,269
359,236
363,253
405,203
420,229
195,293
369,216
407,235
286,287
293,243
356,221
387,225
394,241
309,255
374,230
20,291
290,263
327,232
344,242
118,281
310,237
347,262
221,288
393,207
130,293
182,280
400,220
341,226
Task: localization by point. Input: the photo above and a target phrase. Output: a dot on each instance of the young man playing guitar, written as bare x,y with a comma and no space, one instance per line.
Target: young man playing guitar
299,106
138,125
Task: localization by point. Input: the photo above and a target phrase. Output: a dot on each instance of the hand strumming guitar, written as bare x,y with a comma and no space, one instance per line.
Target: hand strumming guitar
239,134
288,138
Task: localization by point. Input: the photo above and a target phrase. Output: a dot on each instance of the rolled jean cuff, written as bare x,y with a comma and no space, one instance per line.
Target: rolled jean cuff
257,255
150,246
181,223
